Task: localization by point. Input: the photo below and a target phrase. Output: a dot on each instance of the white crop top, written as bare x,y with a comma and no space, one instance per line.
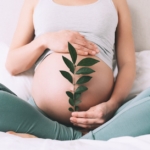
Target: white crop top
96,21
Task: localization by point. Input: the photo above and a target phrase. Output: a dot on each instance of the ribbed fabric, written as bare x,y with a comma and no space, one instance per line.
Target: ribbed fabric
19,116
96,21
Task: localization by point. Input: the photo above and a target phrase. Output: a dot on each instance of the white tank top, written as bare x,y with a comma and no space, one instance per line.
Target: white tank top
96,21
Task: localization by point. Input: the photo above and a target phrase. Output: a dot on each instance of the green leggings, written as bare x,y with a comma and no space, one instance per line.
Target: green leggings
131,119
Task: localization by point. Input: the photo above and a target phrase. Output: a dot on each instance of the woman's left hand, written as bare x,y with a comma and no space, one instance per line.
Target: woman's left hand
94,117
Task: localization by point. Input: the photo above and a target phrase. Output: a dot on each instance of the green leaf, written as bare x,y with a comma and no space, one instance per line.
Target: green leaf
70,95
76,108
71,109
67,76
87,62
71,102
81,89
77,95
77,102
83,79
85,70
69,64
72,52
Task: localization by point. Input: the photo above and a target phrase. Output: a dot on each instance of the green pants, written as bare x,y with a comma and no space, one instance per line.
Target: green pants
132,119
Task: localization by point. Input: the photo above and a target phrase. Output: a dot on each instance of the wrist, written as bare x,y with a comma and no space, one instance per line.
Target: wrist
113,104
45,39
41,40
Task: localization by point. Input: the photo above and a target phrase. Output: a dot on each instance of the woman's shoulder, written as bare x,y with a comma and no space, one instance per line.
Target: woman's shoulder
120,4
31,3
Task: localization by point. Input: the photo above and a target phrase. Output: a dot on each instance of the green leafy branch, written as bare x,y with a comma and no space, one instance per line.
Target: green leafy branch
74,98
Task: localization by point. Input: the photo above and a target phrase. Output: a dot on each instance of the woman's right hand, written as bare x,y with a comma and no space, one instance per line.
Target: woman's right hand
58,42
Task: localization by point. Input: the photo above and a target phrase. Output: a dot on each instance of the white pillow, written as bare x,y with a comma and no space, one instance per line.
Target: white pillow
20,84
142,80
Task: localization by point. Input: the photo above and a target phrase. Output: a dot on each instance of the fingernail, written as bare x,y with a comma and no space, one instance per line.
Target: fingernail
73,113
86,53
93,52
97,50
95,46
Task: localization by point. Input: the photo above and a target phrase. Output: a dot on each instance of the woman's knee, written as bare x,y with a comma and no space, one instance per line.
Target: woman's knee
4,88
3,95
9,101
135,100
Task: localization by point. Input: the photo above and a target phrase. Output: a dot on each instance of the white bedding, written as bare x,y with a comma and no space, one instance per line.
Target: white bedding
21,85
11,142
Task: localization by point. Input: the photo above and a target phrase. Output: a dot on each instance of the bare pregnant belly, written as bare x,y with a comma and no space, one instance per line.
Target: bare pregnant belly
49,87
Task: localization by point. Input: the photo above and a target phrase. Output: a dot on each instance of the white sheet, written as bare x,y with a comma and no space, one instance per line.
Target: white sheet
11,142
142,80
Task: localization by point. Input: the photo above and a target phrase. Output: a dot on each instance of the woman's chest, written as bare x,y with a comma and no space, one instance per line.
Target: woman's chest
94,18
74,3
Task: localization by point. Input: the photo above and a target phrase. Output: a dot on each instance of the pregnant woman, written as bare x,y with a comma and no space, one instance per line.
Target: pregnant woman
94,28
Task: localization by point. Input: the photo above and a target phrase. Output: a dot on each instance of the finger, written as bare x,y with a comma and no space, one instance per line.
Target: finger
85,43
80,39
92,46
84,114
83,53
79,47
86,46
88,114
91,52
87,126
81,50
78,34
86,121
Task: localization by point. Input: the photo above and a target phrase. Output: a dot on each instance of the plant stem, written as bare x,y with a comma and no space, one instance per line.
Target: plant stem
74,85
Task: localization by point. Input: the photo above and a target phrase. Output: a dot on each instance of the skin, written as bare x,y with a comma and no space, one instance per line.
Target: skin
103,111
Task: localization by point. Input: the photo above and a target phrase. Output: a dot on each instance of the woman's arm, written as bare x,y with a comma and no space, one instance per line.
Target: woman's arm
24,51
99,114
125,53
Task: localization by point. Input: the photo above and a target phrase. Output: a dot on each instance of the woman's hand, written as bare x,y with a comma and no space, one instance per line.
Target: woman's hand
58,42
23,135
94,117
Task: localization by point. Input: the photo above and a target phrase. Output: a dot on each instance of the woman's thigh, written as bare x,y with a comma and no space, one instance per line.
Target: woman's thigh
19,116
132,120
140,97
